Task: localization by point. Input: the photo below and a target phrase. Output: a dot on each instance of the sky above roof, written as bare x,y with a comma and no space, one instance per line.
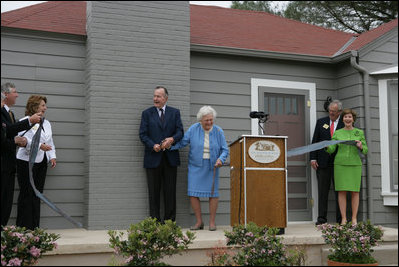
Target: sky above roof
12,5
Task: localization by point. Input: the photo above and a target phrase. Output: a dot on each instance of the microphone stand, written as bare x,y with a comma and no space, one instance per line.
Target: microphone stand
262,120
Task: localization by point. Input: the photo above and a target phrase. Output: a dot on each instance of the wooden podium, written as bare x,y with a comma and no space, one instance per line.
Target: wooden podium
258,185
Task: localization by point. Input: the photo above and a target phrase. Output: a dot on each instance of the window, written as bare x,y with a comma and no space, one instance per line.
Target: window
281,104
388,100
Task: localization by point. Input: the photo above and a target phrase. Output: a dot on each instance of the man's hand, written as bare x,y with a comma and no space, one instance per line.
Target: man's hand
157,148
167,143
314,164
35,118
20,141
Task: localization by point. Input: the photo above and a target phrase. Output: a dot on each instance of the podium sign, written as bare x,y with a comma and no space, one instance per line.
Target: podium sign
258,185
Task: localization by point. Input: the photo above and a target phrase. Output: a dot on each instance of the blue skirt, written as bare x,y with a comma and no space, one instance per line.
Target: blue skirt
200,180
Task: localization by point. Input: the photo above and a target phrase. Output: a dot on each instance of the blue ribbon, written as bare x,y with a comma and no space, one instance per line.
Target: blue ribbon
32,157
316,146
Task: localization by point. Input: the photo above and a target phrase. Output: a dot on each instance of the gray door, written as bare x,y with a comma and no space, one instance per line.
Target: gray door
288,117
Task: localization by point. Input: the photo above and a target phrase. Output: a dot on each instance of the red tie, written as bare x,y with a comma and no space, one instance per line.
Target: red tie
332,128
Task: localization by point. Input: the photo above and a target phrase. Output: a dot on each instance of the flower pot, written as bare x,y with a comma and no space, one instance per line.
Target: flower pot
337,263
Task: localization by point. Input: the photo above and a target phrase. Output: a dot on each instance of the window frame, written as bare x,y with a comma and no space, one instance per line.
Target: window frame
390,197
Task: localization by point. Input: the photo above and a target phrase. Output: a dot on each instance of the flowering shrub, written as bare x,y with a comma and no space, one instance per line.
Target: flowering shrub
221,256
148,241
260,246
351,244
21,247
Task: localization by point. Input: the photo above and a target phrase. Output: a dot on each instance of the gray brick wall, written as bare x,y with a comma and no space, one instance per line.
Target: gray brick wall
132,46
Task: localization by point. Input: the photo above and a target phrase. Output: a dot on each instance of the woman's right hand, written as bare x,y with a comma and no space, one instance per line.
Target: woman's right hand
218,163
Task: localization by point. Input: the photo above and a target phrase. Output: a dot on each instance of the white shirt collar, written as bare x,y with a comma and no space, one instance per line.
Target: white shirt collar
7,108
337,120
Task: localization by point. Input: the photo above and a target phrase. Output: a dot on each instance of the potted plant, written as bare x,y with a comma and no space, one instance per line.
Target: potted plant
22,247
351,244
149,241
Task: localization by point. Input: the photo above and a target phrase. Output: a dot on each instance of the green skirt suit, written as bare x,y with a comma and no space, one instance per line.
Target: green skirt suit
347,163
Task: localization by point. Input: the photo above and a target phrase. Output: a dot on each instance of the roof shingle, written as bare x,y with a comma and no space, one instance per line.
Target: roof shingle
213,26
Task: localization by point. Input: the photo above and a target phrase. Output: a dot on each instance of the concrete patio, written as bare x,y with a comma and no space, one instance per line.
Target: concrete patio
80,247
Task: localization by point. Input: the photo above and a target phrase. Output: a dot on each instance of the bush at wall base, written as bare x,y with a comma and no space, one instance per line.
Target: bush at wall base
22,247
149,241
351,243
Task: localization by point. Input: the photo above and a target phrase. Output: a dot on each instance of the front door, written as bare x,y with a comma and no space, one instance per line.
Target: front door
288,117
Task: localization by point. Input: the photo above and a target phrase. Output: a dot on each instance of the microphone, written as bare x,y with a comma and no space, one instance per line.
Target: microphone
257,114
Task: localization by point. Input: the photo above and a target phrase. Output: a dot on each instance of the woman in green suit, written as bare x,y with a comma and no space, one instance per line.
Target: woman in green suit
347,164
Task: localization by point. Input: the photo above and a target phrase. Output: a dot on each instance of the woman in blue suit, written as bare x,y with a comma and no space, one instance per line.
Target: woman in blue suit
208,151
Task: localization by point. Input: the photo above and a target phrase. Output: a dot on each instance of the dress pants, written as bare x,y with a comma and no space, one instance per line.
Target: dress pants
7,192
324,178
28,212
164,176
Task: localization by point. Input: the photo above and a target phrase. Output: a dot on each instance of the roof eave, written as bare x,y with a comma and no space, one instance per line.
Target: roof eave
376,42
267,54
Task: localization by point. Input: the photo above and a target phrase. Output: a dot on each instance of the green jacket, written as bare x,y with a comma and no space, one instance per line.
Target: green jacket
348,154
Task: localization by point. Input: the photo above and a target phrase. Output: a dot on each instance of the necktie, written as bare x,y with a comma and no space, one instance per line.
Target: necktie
332,128
11,116
162,115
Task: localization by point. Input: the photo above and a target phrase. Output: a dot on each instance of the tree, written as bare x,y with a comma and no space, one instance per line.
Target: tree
265,6
349,16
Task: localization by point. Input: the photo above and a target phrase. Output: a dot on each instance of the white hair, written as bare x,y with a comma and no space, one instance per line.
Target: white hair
3,96
206,110
336,102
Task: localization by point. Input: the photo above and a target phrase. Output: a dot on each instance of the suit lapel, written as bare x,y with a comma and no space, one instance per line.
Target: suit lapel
326,129
168,116
6,115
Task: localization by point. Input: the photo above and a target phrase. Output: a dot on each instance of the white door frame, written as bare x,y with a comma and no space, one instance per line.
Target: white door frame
311,88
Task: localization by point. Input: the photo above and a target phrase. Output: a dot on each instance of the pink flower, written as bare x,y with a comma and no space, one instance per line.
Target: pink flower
54,244
129,259
34,251
117,250
14,262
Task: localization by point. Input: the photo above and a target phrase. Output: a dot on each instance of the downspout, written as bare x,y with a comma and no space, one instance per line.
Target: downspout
367,122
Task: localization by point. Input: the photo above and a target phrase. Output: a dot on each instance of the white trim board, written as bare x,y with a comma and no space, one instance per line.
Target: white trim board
390,198
311,88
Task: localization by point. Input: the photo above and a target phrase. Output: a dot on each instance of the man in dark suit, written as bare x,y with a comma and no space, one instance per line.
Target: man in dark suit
322,162
160,127
10,128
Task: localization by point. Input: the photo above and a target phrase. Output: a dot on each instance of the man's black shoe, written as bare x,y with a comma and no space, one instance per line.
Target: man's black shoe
320,222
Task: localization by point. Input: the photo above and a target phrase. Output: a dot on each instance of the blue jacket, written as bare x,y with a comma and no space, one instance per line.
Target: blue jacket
195,137
152,132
